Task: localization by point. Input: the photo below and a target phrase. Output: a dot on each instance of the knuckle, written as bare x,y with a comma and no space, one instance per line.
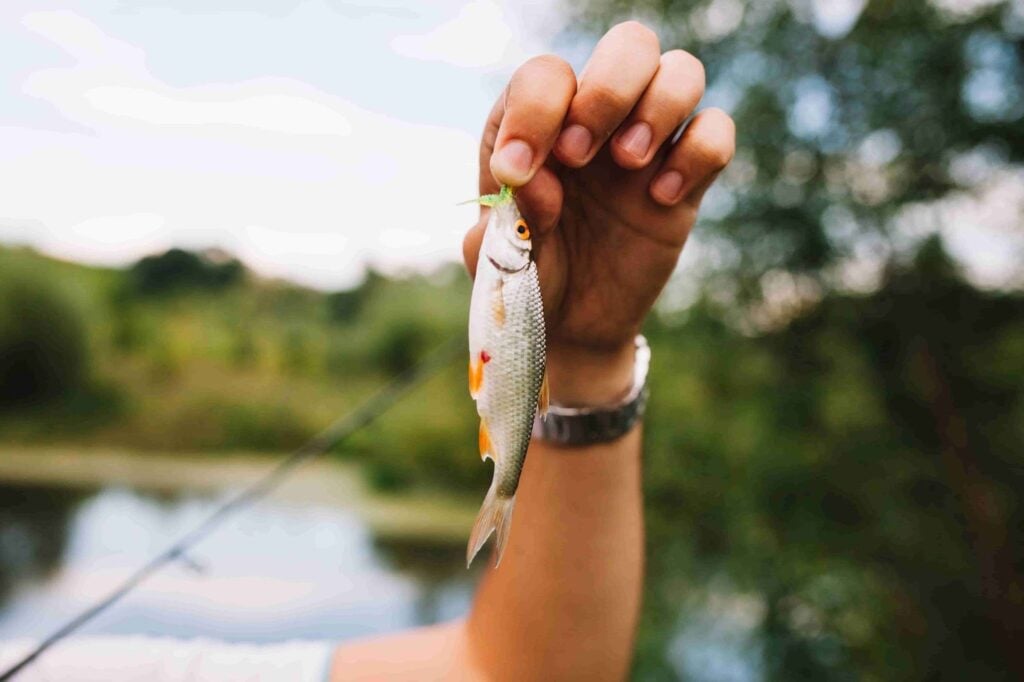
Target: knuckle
683,66
673,103
540,89
634,31
605,99
713,154
712,144
549,63
722,121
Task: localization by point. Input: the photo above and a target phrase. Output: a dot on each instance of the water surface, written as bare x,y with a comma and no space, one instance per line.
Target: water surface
277,571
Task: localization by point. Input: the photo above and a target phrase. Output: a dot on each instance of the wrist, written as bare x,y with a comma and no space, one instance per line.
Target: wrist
580,376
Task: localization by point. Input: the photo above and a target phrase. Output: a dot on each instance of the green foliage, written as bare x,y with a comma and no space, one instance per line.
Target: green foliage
345,306
855,474
850,462
832,496
263,427
44,347
177,270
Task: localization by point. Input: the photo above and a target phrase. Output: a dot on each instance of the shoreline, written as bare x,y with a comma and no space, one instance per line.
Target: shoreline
324,482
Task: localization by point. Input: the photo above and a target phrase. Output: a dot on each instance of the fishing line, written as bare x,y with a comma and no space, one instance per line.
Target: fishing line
372,408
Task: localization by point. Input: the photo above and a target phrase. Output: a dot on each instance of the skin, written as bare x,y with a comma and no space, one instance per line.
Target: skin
610,209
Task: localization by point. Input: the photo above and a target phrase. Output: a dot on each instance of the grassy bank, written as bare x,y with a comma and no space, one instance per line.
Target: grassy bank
413,516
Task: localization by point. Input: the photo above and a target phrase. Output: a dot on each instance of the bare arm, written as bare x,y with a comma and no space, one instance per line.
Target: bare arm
565,600
611,203
566,604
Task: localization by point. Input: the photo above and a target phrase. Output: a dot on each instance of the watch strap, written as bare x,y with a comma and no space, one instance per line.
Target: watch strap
590,425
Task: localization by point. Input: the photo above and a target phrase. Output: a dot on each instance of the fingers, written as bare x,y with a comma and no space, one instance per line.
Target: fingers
627,89
540,201
620,69
671,96
529,118
693,163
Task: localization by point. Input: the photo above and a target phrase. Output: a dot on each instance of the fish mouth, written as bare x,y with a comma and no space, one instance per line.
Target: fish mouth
508,271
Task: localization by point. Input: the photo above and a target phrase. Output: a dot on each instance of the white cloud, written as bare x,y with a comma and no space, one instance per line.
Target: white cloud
478,36
403,239
113,239
301,183
273,112
81,39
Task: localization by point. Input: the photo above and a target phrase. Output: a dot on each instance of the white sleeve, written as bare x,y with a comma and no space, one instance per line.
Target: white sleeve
150,659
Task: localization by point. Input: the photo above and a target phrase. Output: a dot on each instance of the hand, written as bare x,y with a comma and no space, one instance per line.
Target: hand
609,201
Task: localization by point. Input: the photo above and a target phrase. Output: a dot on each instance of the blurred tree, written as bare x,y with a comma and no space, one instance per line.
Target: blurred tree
851,461
44,349
857,471
344,306
178,270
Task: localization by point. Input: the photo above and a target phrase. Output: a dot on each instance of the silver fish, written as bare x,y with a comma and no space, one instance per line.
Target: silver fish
506,361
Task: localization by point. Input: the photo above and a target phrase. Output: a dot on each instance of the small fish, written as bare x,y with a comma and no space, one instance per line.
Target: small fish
506,361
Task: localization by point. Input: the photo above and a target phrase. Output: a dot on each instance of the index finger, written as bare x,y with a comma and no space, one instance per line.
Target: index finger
529,118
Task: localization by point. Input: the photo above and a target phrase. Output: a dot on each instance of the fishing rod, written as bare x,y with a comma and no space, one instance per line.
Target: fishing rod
372,408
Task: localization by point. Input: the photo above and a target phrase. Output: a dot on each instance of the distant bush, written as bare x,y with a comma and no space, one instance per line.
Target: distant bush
275,427
295,351
399,344
44,350
345,306
179,270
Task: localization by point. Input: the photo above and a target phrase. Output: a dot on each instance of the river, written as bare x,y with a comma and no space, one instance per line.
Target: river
323,558
298,565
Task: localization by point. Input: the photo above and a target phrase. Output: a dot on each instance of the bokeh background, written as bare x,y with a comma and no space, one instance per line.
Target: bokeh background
222,224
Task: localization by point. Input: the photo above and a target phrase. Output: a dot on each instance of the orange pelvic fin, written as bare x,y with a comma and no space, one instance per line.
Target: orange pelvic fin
545,396
476,376
486,446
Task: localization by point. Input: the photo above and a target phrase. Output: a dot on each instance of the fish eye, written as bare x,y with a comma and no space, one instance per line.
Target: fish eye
522,230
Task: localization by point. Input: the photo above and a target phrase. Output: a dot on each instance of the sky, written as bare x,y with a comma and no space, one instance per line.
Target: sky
309,138
313,138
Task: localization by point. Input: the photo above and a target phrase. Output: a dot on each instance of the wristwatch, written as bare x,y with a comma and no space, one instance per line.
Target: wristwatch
590,425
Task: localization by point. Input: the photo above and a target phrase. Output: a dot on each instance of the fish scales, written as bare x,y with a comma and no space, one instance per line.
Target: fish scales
507,361
517,371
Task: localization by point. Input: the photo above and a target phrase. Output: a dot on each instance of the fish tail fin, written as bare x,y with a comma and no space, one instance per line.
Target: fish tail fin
495,516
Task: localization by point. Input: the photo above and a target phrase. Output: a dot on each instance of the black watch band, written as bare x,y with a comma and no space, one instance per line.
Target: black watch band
590,425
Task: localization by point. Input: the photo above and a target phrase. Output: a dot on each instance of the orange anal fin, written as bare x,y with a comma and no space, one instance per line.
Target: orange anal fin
545,396
486,446
476,376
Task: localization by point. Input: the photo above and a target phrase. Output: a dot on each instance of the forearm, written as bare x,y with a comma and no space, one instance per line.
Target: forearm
563,604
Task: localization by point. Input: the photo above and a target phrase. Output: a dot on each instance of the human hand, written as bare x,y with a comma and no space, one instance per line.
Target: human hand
609,201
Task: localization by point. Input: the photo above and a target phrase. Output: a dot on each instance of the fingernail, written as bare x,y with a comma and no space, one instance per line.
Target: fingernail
512,162
668,186
637,139
574,143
